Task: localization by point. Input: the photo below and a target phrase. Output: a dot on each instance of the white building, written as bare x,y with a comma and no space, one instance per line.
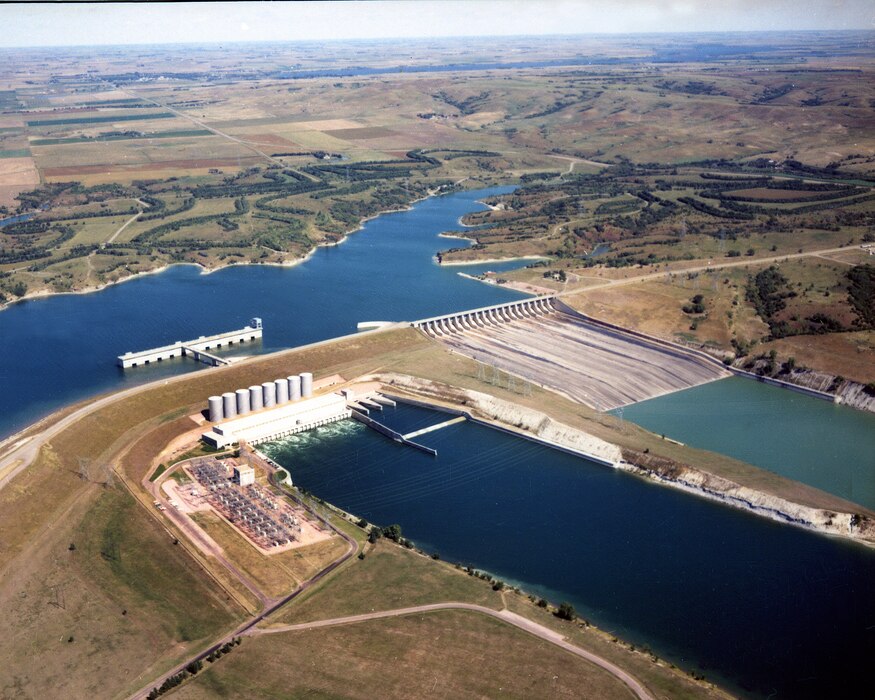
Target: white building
279,422
244,475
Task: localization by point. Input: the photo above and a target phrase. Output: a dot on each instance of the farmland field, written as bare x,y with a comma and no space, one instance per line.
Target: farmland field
661,164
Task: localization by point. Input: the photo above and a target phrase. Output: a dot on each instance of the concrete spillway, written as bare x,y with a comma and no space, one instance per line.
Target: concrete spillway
541,341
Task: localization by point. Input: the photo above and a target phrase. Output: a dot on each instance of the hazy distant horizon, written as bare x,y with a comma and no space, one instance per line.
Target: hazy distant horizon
351,40
149,24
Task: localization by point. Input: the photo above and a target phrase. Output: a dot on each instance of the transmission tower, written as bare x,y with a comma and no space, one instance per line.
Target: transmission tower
84,465
58,598
108,475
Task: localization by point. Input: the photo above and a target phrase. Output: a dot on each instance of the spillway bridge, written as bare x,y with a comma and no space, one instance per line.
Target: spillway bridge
197,349
486,317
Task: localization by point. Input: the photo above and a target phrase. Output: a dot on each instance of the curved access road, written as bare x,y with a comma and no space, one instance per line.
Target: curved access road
507,616
19,450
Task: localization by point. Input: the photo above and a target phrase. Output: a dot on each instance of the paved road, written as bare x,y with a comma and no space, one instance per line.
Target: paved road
507,616
17,452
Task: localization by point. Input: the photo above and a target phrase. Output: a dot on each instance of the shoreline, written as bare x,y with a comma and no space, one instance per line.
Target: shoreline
45,294
539,427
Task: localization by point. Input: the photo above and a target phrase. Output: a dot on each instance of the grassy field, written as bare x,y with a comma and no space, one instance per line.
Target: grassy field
454,654
100,599
392,577
388,577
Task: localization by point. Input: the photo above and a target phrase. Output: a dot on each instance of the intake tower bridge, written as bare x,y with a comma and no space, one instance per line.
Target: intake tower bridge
197,349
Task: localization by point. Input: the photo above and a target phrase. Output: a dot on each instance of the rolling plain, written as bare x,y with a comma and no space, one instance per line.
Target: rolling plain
715,191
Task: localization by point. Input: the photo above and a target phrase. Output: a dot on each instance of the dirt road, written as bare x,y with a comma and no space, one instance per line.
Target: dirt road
507,616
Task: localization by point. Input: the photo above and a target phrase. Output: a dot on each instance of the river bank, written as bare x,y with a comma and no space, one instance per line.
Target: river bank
535,425
287,262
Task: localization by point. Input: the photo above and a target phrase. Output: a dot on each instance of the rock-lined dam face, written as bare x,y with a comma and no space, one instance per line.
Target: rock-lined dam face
549,344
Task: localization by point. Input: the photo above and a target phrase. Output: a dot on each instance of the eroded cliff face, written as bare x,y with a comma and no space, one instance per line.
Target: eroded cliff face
510,416
669,472
849,393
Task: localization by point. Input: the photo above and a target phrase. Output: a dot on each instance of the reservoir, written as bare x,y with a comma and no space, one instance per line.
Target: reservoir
766,609
62,349
828,446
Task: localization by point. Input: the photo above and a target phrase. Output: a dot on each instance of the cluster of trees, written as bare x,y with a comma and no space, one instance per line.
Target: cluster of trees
25,228
190,670
767,291
861,293
65,233
468,105
696,305
773,93
714,211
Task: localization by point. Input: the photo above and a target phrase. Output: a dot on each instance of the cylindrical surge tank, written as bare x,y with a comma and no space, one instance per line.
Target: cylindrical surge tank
229,404
216,411
294,388
306,384
282,391
256,397
242,402
269,389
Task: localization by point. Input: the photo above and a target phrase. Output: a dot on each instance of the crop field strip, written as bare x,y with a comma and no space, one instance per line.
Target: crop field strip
100,120
182,133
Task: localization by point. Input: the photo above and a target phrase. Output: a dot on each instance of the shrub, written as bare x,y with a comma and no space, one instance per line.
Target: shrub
566,612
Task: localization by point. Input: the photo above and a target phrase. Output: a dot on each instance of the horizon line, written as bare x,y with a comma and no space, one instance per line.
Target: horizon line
217,42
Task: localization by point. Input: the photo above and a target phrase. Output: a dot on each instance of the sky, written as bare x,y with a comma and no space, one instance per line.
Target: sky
71,24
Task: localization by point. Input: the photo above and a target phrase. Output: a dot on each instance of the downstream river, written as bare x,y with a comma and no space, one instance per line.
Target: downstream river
766,609
819,443
62,349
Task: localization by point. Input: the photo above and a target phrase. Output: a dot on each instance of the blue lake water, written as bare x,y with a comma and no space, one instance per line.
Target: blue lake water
57,350
816,442
767,609
737,597
18,218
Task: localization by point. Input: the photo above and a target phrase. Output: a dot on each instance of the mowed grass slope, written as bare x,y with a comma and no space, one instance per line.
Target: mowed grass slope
442,654
459,653
101,600
389,577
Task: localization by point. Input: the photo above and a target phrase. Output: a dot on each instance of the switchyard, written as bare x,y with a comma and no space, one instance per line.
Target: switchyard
270,522
544,342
